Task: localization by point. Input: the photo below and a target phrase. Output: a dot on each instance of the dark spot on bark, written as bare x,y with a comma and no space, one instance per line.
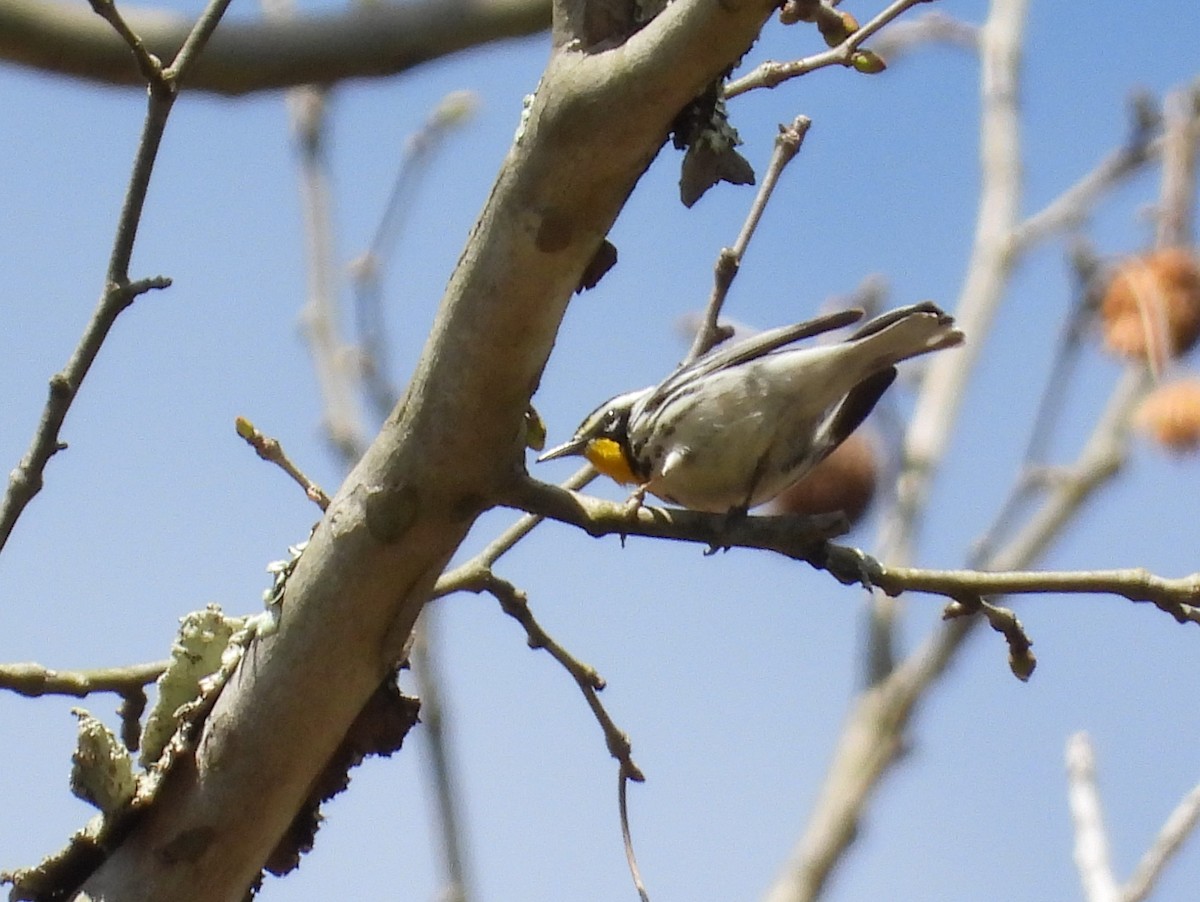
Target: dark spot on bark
390,511
188,845
555,232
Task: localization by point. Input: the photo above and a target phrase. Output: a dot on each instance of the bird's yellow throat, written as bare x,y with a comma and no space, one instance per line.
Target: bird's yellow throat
606,456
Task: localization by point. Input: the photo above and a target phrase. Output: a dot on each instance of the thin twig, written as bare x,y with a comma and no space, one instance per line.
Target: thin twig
26,480
1072,205
133,705
1068,209
454,110
270,450
1181,132
34,680
1085,267
466,575
516,605
932,28
988,270
1178,597
787,145
1091,840
623,781
423,660
1021,659
333,359
367,270
148,64
197,38
1177,828
771,73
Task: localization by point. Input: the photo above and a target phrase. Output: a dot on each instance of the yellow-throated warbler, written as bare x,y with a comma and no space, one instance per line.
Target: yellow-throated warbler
739,425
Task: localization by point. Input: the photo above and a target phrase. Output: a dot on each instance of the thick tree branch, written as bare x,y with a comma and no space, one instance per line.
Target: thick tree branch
369,40
443,456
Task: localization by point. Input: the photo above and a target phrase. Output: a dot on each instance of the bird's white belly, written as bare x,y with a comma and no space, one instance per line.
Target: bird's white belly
728,454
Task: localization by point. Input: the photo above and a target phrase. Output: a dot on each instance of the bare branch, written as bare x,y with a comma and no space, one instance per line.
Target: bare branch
445,455
1181,133
367,41
270,450
932,28
516,605
771,74
799,537
26,480
1178,827
1091,839
806,539
34,680
462,576
367,270
1021,659
787,145
1178,597
148,64
333,358
197,39
1074,204
444,776
623,781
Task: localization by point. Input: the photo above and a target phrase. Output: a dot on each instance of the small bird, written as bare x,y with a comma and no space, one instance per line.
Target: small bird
734,428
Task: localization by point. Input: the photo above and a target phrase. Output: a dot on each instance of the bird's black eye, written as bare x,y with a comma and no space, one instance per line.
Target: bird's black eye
612,417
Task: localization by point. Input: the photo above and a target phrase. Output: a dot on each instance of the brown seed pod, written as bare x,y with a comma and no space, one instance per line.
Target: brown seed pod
1151,308
844,481
1170,415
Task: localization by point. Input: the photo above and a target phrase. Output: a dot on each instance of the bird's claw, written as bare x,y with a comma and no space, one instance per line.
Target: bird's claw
636,502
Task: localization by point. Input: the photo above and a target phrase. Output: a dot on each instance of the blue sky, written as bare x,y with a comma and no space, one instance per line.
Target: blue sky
731,673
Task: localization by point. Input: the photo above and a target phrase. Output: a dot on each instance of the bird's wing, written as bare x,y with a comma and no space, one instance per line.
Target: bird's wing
744,351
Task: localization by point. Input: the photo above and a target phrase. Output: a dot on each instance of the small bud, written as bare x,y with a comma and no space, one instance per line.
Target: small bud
456,108
535,429
1022,663
1170,415
244,428
1151,308
794,11
836,27
868,62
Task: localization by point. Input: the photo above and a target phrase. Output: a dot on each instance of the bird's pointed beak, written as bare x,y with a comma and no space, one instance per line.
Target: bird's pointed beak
566,449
